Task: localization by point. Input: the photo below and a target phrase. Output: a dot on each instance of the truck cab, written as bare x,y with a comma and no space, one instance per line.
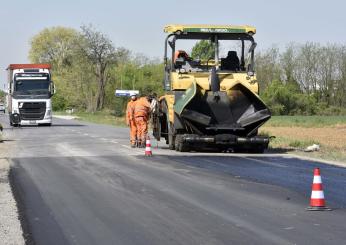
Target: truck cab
30,90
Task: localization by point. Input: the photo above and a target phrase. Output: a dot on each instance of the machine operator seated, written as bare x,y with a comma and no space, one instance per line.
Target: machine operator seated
181,56
183,60
231,62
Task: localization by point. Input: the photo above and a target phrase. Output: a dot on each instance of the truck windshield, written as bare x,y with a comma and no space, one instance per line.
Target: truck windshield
25,84
32,86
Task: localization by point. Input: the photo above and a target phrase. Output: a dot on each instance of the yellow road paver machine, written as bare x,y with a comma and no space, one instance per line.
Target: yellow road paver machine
211,101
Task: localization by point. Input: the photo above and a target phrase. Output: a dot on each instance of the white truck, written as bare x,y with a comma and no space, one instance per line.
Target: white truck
30,91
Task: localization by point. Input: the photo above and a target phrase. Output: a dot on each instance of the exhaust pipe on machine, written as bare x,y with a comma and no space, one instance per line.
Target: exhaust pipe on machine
214,83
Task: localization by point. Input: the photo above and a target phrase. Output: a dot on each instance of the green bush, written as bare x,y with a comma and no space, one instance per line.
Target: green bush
59,103
287,99
324,110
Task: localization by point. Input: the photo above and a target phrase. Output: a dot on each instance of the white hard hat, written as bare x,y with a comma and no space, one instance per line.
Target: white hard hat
133,94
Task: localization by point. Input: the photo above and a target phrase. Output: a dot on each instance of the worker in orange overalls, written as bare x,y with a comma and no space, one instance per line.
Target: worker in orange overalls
141,114
130,119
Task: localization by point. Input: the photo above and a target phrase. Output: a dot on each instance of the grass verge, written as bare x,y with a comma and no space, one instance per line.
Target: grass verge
100,117
306,121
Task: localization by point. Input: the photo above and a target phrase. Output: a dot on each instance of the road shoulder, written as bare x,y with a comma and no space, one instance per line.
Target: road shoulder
10,227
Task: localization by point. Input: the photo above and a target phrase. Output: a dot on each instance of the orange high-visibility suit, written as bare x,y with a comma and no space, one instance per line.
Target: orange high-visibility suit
130,121
141,113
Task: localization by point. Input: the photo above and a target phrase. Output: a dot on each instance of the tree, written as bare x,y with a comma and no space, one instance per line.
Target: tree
288,63
267,67
204,50
57,46
101,53
53,45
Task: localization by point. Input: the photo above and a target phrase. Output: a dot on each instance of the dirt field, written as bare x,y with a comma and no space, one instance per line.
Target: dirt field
328,136
331,139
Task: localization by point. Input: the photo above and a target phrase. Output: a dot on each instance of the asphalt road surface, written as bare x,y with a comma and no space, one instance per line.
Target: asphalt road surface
80,183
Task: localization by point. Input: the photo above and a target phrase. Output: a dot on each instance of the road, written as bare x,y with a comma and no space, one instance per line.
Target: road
80,183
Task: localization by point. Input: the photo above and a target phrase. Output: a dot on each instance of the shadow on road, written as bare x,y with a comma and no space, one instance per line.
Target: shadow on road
215,150
66,125
45,126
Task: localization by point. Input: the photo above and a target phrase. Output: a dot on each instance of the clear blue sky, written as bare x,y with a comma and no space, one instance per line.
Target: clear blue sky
138,25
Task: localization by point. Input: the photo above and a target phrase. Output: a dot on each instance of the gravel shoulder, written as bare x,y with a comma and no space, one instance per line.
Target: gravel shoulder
10,228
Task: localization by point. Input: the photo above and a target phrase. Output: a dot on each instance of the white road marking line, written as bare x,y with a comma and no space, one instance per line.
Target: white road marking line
126,146
86,134
266,162
248,158
115,142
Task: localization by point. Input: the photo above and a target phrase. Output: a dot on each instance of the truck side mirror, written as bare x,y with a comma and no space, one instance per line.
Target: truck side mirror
52,88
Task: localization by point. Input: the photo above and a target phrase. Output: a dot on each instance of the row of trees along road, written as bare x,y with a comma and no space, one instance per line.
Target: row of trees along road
302,79
88,67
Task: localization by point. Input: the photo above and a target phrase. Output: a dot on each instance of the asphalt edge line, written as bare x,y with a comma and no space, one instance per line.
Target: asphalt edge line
55,236
26,231
317,160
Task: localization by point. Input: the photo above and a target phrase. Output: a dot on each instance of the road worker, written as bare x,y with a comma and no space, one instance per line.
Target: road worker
141,114
181,54
130,119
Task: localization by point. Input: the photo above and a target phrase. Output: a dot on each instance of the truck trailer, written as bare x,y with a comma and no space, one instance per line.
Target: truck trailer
30,91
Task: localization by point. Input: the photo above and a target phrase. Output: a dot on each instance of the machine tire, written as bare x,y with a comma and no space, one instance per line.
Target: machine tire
180,145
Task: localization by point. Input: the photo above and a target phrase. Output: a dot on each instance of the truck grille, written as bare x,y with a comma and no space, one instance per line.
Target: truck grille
33,110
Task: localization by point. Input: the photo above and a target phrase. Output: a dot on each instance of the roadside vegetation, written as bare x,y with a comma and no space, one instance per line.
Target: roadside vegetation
306,121
101,117
302,79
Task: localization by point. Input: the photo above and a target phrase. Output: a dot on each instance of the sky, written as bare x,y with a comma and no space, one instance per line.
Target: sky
138,25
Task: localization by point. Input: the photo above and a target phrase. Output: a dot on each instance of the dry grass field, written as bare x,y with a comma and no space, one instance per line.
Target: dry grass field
296,133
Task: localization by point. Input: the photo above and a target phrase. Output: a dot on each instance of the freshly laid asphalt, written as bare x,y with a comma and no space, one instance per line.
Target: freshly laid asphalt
80,183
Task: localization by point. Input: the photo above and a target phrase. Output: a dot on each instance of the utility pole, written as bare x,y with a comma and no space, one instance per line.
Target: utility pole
133,82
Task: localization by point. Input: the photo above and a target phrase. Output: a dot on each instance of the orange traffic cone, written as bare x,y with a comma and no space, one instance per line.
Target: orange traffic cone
317,202
148,147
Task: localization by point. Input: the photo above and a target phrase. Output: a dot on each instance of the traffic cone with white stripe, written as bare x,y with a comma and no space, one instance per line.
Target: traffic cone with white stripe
148,147
317,202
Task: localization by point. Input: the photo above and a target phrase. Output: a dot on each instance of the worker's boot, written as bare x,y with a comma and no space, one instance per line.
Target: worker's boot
143,144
